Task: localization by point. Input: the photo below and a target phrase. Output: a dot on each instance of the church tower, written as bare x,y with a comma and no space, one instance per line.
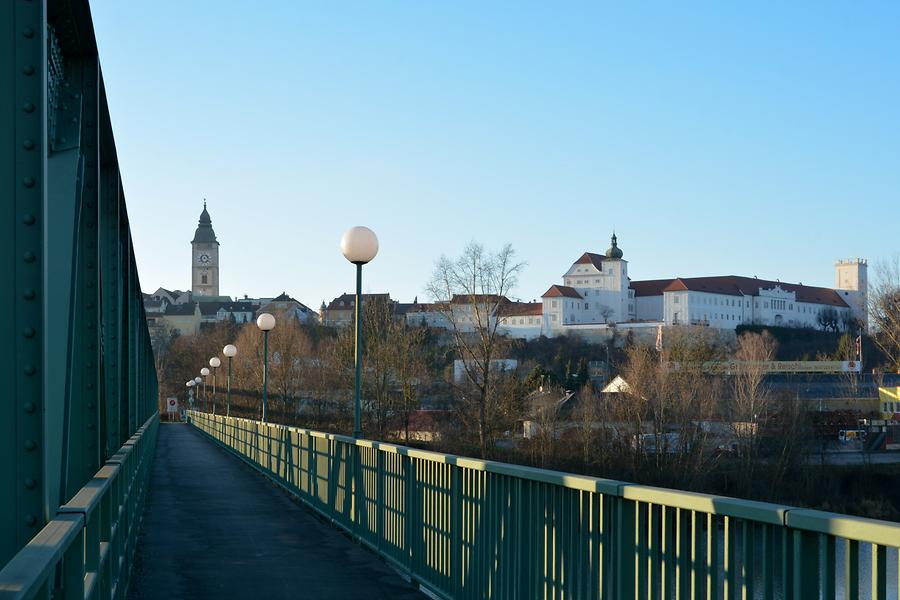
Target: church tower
851,281
204,259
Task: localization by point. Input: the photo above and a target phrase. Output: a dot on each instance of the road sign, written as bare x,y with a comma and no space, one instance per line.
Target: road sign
172,404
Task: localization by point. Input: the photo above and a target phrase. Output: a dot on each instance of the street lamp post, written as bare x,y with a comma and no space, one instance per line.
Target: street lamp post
215,363
230,351
359,245
190,387
266,323
205,373
197,381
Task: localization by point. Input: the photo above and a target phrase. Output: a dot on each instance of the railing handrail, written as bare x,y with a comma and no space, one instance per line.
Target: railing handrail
34,565
861,529
469,528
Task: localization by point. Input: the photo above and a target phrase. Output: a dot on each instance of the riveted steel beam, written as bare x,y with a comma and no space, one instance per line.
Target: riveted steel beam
76,369
23,138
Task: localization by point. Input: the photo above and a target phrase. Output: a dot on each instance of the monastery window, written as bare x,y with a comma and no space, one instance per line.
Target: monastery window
676,300
586,306
553,303
203,279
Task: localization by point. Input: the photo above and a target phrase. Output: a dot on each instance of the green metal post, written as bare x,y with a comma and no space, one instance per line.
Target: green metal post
228,395
357,429
205,397
214,391
23,104
265,373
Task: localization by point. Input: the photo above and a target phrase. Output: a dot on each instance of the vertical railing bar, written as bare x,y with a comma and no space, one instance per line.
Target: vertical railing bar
829,591
747,549
768,562
652,551
729,559
879,572
712,556
696,581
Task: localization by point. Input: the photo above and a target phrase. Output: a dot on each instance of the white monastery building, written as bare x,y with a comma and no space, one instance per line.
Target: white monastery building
596,293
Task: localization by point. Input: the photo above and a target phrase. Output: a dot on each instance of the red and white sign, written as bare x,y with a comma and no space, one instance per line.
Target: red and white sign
172,404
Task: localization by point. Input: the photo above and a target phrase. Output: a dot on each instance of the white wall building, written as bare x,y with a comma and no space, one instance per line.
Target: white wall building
597,297
595,290
729,301
523,320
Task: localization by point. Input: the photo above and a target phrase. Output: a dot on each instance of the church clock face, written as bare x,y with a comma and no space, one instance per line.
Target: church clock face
204,259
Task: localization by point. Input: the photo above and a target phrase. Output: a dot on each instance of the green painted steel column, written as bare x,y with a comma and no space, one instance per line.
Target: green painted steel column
109,277
357,426
265,373
81,426
23,147
228,394
807,578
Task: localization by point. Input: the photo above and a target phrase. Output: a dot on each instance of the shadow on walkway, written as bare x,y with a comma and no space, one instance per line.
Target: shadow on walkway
214,528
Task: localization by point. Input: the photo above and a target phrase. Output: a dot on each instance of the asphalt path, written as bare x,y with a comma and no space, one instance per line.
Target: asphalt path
215,528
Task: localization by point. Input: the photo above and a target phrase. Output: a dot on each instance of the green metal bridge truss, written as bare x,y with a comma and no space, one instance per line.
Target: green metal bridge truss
78,390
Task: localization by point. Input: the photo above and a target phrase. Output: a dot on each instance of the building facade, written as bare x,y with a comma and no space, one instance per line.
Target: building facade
597,295
204,258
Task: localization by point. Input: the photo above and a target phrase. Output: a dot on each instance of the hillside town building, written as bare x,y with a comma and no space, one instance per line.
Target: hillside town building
595,297
596,293
184,312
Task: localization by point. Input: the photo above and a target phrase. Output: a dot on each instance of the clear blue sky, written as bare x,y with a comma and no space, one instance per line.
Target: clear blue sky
716,138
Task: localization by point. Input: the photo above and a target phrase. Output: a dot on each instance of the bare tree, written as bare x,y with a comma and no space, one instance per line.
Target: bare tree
289,348
587,414
606,312
828,319
544,411
379,330
469,291
666,399
410,369
751,396
884,308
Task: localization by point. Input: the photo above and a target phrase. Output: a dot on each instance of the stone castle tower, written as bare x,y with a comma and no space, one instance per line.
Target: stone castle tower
852,283
204,259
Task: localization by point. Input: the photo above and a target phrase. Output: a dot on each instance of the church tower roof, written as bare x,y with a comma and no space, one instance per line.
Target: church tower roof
204,233
614,250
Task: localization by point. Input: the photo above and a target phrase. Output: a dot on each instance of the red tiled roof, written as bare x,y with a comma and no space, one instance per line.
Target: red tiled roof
734,285
346,301
557,291
428,307
522,309
478,299
649,287
589,258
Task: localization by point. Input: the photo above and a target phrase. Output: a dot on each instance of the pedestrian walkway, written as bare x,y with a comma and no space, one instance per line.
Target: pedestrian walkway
215,528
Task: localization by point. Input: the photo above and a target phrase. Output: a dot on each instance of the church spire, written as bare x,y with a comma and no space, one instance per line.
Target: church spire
204,233
614,250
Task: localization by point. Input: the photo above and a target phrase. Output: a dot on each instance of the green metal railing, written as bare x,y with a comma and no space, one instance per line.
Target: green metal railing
468,528
86,550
